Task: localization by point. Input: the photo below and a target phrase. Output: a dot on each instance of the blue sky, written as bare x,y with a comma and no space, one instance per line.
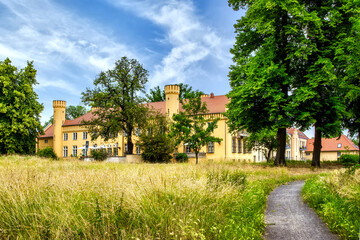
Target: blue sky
70,42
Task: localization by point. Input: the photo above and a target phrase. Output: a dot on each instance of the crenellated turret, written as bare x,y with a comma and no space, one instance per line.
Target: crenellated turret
172,93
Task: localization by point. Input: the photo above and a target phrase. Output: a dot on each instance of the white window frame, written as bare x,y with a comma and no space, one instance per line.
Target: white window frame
65,136
137,132
75,136
74,153
233,145
65,151
211,147
84,135
138,149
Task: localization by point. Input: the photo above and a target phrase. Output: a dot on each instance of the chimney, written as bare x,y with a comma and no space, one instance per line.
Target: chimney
211,95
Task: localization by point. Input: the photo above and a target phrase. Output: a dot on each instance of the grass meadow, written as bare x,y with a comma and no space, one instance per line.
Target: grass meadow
336,198
40,199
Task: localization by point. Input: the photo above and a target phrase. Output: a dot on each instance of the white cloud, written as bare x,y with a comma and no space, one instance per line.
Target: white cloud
191,39
48,33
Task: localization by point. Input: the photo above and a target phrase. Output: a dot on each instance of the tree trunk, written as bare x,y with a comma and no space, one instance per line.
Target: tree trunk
268,156
130,145
280,153
317,147
196,156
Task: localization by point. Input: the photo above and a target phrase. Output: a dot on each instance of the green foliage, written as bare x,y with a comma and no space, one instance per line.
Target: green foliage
99,154
265,140
47,152
72,112
349,159
156,145
292,67
181,157
116,94
340,213
19,109
158,95
191,126
270,46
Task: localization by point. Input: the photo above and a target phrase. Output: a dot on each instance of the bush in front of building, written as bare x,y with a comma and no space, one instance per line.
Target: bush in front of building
47,152
99,154
181,157
349,159
156,148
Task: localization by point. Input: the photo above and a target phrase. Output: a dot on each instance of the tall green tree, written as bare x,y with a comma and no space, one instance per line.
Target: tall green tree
319,94
351,54
192,127
19,109
116,96
158,95
270,46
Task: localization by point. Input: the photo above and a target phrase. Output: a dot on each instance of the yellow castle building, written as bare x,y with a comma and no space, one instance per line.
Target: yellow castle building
70,138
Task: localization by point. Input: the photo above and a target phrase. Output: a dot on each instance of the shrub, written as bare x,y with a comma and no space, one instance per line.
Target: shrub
47,152
99,155
155,143
181,157
349,159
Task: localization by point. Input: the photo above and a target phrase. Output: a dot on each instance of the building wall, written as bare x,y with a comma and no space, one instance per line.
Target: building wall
330,156
42,143
222,151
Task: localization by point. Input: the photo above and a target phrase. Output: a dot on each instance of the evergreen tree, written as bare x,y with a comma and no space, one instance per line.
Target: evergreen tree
19,109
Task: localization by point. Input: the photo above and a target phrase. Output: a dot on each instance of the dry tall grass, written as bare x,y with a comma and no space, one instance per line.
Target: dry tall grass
40,198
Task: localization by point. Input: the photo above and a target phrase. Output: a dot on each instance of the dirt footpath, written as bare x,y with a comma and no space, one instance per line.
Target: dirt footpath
288,217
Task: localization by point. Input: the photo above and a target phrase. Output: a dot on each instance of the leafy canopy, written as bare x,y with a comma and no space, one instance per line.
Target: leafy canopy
156,145
116,96
192,126
19,109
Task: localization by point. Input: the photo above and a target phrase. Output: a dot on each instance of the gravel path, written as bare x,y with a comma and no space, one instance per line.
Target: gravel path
288,217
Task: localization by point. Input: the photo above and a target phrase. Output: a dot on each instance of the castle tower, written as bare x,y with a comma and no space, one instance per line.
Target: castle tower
59,119
172,93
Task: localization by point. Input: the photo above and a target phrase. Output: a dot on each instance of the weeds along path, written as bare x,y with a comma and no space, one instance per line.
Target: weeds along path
288,217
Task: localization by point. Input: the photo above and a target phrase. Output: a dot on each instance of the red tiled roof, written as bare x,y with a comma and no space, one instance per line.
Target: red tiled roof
160,106
331,144
49,132
78,121
300,133
215,104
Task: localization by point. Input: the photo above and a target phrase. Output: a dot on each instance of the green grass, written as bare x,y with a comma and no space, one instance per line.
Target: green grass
40,198
336,198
